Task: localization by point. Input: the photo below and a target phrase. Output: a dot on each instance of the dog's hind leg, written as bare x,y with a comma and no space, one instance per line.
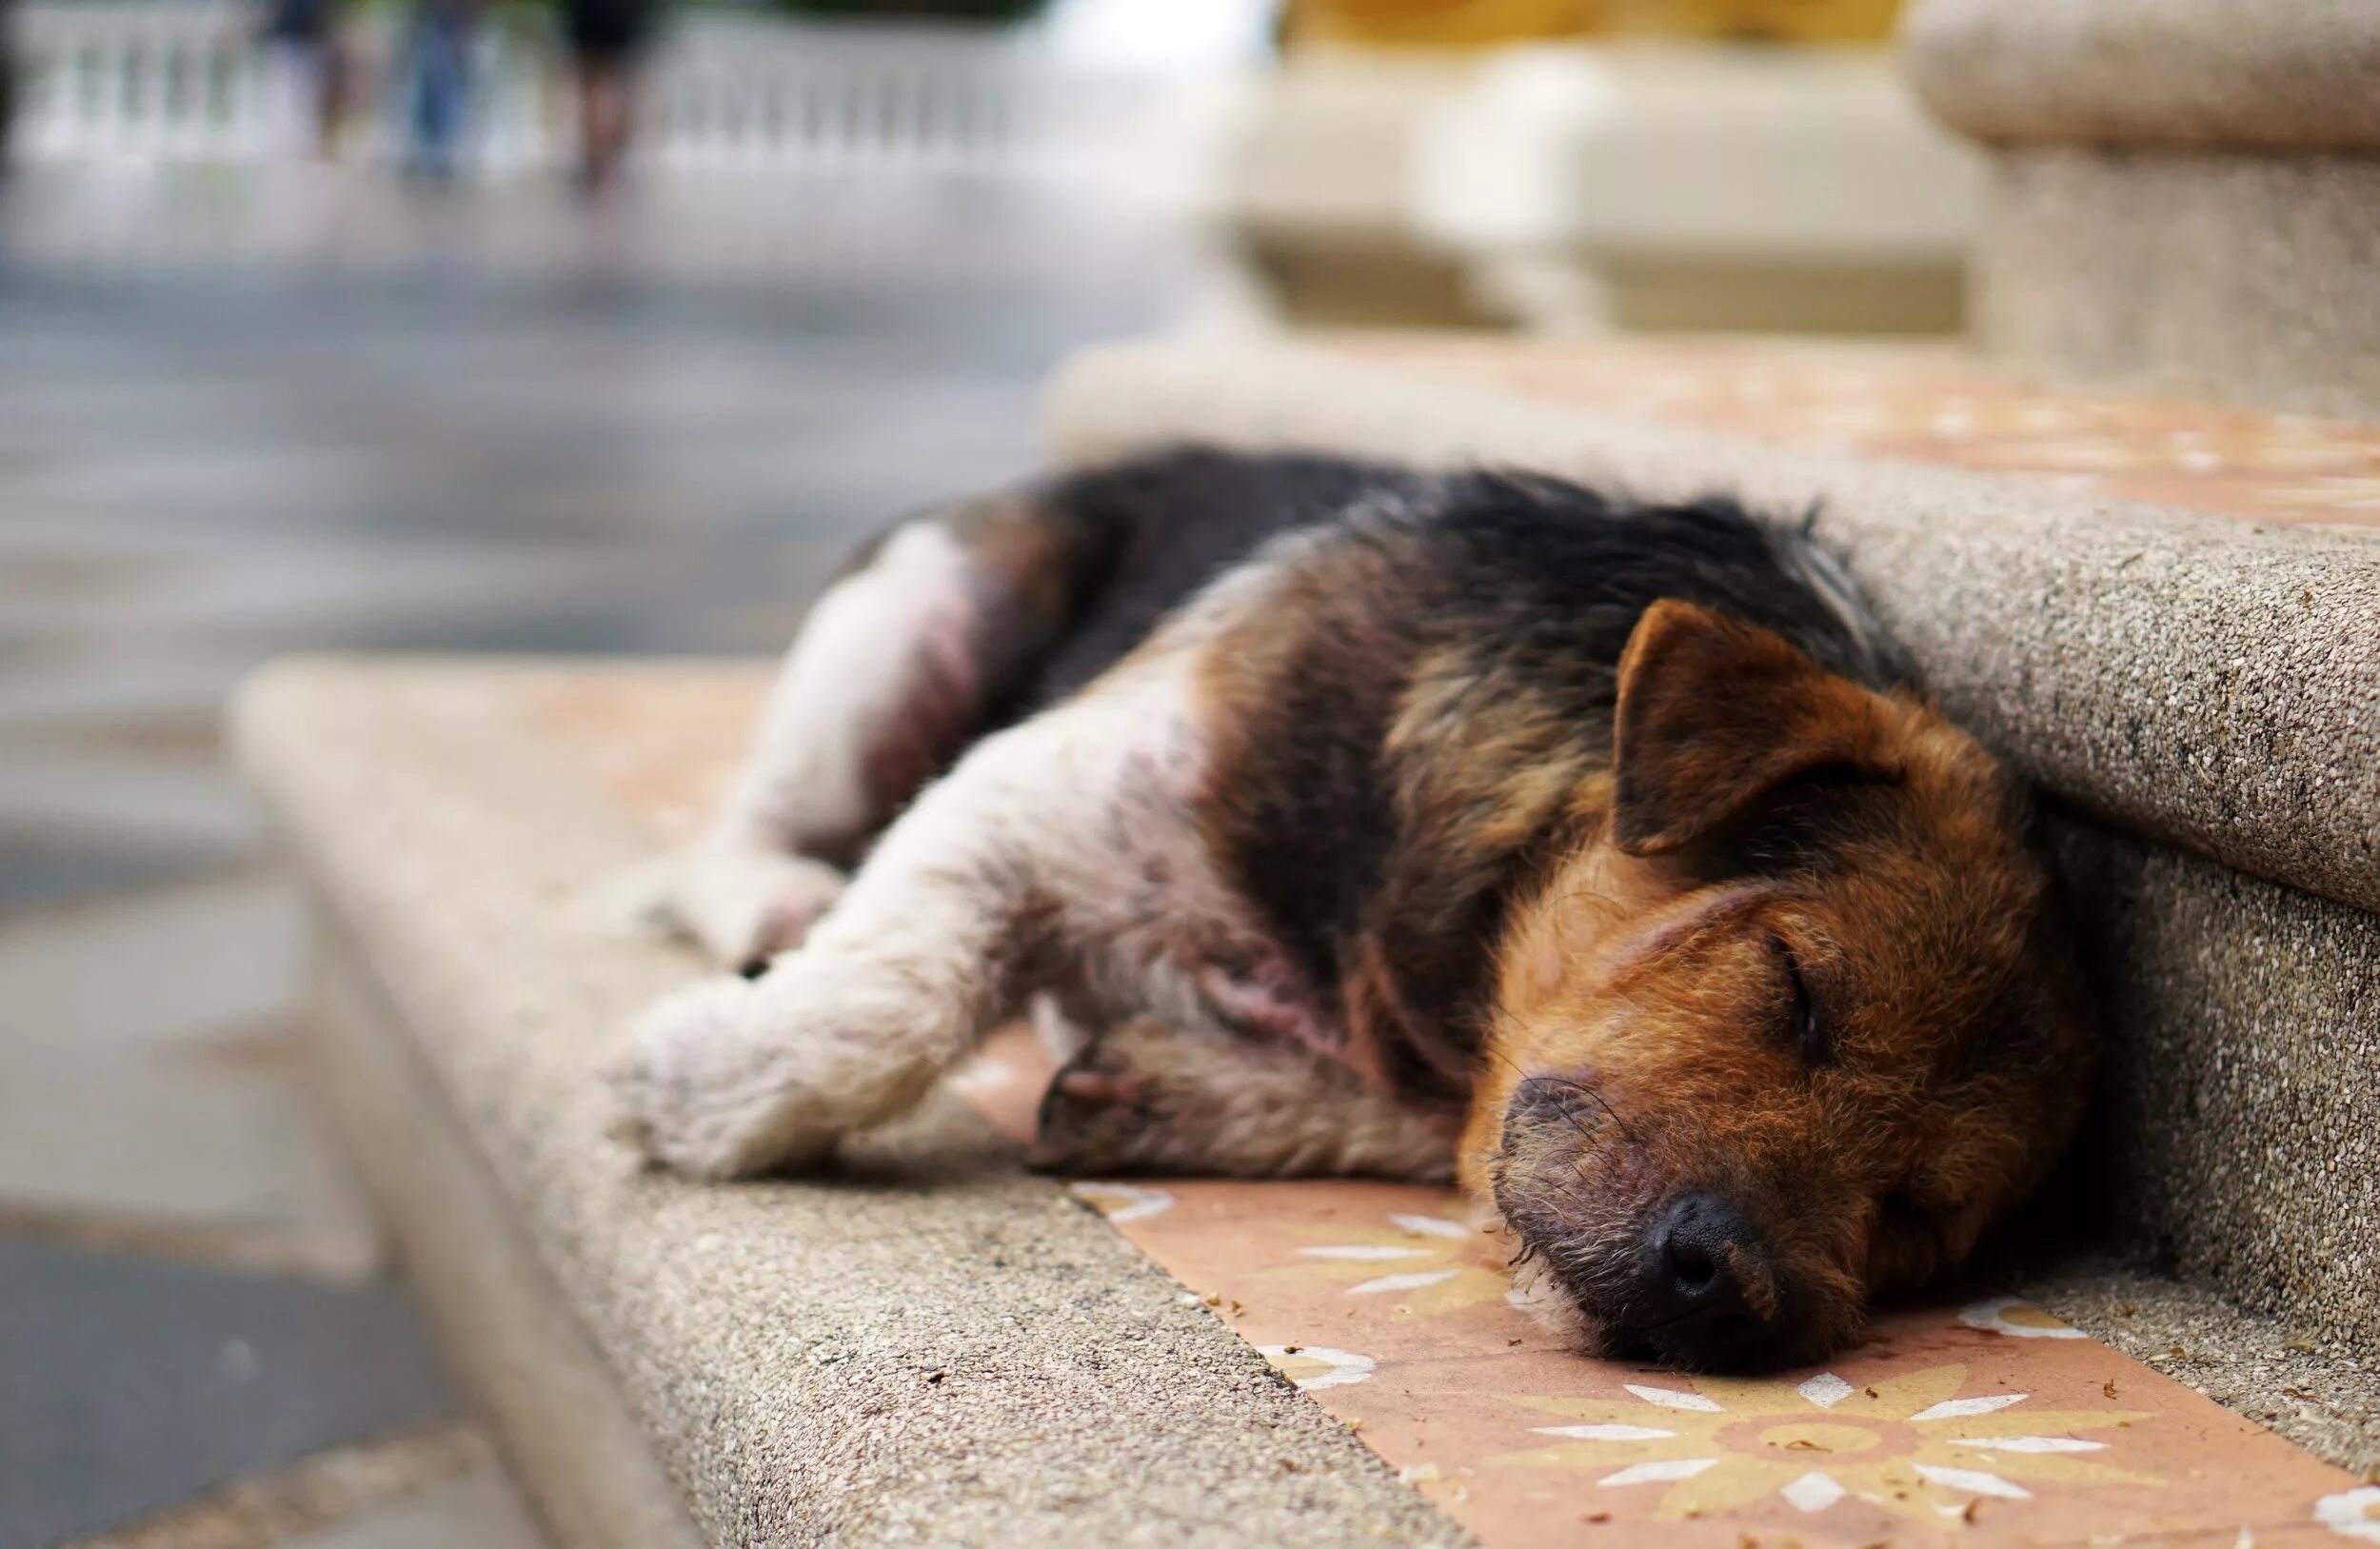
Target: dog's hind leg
1147,1098
925,640
951,923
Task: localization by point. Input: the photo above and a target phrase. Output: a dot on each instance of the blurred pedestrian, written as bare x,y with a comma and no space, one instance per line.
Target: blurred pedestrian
436,92
304,76
7,84
607,40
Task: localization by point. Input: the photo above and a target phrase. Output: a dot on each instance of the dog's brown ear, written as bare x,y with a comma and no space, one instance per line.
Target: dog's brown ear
1714,714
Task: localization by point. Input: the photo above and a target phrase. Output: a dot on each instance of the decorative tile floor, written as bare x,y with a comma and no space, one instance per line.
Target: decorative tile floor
1921,408
1983,1420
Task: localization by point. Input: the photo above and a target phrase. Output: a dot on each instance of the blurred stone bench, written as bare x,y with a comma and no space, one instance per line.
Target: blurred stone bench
1579,188
2183,192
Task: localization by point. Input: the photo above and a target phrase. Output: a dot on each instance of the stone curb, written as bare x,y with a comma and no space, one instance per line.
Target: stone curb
2193,678
2266,74
870,1360
509,1333
2224,274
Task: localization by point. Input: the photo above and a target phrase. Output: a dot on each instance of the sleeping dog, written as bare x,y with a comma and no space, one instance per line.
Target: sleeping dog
1334,817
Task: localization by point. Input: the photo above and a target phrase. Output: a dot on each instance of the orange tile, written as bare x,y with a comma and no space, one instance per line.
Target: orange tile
1929,407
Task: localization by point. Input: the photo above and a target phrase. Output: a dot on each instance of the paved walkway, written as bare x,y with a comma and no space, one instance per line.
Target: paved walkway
240,417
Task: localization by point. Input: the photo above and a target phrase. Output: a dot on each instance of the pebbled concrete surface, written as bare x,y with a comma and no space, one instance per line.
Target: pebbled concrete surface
2184,677
2315,1391
2230,274
480,1509
2238,1128
873,1360
2283,74
2186,193
515,1344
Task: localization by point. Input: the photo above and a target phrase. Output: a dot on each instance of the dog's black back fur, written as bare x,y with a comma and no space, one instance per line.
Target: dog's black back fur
1544,555
1514,589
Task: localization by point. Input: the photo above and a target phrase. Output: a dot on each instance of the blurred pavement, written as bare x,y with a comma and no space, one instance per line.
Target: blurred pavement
247,414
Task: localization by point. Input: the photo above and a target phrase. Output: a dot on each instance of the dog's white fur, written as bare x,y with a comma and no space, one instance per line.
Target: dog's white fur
1060,854
750,886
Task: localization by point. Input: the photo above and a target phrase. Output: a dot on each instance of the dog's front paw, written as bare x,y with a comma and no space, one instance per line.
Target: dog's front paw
1106,1110
744,906
705,1092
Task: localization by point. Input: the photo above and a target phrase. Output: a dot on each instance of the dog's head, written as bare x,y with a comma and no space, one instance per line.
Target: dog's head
1793,1030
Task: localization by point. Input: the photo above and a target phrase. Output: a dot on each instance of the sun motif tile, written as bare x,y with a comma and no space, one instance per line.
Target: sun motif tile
1423,1264
1920,1445
1915,406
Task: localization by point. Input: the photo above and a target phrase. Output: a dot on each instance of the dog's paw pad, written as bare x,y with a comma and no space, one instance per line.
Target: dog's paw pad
1099,1088
1097,1115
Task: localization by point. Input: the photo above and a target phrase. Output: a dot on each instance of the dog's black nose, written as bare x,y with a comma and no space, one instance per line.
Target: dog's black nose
1700,1263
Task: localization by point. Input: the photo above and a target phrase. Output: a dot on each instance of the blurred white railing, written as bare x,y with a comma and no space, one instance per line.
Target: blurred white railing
184,80
732,91
166,80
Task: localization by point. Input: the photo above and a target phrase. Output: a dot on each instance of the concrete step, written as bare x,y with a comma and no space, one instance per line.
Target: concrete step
871,1362
936,1349
2184,192
2168,615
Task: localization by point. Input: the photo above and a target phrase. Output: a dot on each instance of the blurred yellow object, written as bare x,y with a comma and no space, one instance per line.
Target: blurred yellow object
1462,24
1783,21
1439,24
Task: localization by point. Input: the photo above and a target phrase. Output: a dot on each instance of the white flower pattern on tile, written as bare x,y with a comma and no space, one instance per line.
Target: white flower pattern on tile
2351,1513
1812,1492
1403,1283
1313,1367
1123,1201
1732,1442
2017,1318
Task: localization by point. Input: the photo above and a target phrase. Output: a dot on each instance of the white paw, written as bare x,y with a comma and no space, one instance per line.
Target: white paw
728,1077
744,906
704,1090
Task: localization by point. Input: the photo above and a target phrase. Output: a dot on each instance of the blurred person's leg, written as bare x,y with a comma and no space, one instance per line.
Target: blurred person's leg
299,74
607,40
288,87
7,86
438,89
606,120
335,90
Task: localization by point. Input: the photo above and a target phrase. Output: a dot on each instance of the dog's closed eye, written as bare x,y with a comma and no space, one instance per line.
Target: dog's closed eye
1804,1028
